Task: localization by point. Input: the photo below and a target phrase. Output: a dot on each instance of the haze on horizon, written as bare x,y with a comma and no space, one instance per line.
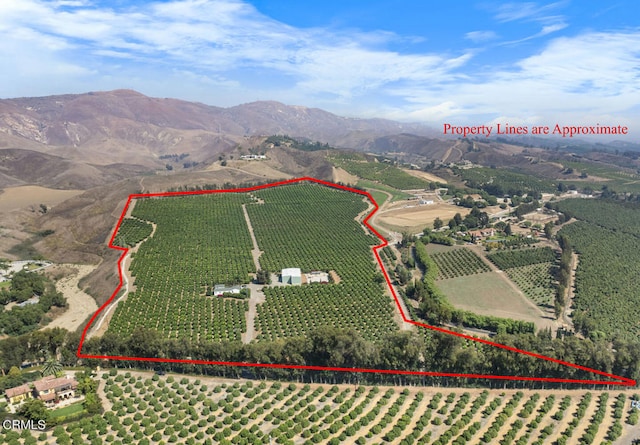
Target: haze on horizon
472,63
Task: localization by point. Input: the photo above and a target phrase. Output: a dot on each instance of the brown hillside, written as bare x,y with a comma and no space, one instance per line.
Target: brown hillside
125,126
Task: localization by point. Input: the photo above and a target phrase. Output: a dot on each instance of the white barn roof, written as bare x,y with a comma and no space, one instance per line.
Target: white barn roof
292,272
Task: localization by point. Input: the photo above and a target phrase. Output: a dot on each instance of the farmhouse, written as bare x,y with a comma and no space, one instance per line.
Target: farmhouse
220,289
482,233
291,275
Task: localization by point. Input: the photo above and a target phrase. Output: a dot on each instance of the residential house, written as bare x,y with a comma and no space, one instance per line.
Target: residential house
482,233
51,389
18,394
48,389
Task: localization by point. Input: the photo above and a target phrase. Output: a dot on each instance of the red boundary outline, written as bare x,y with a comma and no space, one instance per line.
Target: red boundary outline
617,380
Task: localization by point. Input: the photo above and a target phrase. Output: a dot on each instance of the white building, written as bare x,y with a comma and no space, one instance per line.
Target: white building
291,275
252,157
220,289
317,276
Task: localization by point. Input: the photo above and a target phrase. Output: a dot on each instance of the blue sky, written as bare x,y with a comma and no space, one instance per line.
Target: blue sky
465,62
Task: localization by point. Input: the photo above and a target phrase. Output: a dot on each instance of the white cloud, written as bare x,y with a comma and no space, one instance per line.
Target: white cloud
225,52
529,11
590,78
225,35
481,36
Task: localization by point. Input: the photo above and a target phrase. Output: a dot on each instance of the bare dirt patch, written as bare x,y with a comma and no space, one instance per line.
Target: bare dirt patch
343,176
424,175
258,168
419,216
334,276
539,217
81,305
13,198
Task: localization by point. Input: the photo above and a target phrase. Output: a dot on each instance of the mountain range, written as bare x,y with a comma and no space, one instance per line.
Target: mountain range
86,138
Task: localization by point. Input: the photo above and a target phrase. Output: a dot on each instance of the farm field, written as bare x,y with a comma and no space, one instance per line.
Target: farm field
488,294
371,185
204,240
379,197
143,408
383,173
536,281
500,181
459,262
607,239
532,270
608,266
131,232
439,248
200,241
508,259
614,177
312,242
416,218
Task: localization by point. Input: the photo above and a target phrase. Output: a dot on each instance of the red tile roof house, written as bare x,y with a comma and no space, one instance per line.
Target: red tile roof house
18,394
48,389
482,233
52,389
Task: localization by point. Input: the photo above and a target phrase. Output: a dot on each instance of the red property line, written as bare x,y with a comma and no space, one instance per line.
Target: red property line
617,380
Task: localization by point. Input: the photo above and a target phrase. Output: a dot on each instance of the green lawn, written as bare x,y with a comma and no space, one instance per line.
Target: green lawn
5,284
378,196
487,294
68,410
371,185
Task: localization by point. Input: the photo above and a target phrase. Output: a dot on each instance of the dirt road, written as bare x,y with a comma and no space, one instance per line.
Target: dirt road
256,297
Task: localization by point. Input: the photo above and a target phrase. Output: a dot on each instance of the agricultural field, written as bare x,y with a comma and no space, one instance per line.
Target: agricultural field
607,240
200,241
488,294
606,284
379,197
607,214
536,281
131,232
388,257
458,262
532,270
613,177
508,259
370,186
204,240
144,409
313,241
499,182
415,218
381,172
